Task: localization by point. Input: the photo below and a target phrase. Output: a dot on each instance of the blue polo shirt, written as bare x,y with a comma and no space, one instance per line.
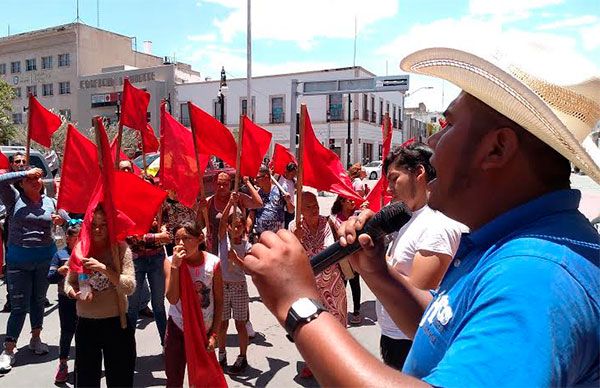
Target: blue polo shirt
519,306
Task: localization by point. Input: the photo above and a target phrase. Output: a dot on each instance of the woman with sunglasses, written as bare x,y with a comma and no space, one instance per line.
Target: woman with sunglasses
29,251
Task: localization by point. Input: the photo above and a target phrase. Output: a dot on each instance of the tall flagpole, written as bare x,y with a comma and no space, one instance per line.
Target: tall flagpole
200,173
28,131
300,157
249,107
238,160
387,131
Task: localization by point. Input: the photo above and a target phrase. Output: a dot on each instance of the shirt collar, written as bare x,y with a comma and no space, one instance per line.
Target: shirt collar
524,214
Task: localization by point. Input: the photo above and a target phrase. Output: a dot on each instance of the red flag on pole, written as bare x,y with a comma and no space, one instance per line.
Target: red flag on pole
255,144
4,162
379,192
42,123
178,169
134,105
213,137
149,139
323,169
281,158
79,172
203,367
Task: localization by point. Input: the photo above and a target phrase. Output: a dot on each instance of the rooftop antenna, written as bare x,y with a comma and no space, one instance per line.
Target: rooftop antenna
77,19
355,35
8,30
98,13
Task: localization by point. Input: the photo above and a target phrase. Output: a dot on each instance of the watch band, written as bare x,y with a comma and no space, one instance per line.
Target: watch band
294,320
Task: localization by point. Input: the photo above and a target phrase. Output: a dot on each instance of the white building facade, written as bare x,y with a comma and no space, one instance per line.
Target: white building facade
271,102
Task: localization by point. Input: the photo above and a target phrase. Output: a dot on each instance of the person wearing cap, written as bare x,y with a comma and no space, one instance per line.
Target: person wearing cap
519,305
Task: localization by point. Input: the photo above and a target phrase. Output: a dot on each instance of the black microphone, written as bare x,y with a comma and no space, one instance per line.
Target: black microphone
388,220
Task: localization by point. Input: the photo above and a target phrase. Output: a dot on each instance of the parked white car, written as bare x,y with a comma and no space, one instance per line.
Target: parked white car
373,169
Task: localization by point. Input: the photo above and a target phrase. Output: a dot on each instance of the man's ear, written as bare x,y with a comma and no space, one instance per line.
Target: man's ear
420,173
498,147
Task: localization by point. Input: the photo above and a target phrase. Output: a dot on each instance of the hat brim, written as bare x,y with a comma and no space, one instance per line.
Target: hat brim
506,94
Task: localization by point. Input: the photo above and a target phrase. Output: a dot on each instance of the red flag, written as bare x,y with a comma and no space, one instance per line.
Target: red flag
255,144
442,122
408,142
79,173
134,105
323,169
281,158
178,169
149,139
203,367
213,137
42,123
4,162
117,223
379,193
120,194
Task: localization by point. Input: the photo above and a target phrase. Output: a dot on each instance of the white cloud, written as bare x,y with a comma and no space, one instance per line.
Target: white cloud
508,7
590,37
202,38
570,22
302,22
551,56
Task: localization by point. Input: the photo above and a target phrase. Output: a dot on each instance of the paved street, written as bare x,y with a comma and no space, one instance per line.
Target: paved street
274,361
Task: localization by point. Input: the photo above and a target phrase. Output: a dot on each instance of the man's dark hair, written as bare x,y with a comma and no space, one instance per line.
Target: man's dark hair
291,166
410,157
12,157
264,170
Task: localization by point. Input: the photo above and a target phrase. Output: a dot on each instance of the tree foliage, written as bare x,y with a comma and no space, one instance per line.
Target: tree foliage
7,128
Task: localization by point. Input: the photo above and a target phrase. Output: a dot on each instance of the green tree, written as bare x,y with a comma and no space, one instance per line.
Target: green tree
7,128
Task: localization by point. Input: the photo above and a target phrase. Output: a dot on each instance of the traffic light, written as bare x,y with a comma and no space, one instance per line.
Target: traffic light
331,144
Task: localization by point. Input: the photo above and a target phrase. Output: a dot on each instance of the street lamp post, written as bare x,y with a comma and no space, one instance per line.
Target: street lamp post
222,89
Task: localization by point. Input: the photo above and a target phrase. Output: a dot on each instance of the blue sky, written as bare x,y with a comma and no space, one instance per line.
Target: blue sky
315,34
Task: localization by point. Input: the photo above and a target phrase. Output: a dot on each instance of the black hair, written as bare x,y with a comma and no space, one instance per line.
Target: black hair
410,157
336,208
12,157
291,166
264,170
73,230
191,228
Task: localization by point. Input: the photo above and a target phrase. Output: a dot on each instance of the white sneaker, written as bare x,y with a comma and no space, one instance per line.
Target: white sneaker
7,360
250,330
38,347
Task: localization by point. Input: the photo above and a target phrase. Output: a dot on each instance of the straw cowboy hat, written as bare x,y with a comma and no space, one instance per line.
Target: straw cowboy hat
560,116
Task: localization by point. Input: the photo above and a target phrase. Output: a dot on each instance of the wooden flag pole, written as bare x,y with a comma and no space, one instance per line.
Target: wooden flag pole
28,131
200,173
387,132
238,161
300,178
145,164
119,140
114,248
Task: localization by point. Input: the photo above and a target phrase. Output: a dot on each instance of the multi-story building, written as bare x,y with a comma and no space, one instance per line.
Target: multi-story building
418,122
65,64
271,105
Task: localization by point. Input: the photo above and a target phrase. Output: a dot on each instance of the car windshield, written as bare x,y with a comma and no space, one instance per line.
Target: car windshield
373,164
149,159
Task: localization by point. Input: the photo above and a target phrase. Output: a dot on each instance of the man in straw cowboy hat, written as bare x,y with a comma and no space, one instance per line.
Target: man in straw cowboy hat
520,304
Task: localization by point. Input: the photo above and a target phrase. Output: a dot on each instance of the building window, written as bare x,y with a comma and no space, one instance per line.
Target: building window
17,91
46,63
15,67
217,106
30,64
394,121
380,111
185,114
66,113
365,106
2,68
244,107
336,107
367,153
380,152
373,115
47,90
277,115
64,60
17,118
64,87
32,90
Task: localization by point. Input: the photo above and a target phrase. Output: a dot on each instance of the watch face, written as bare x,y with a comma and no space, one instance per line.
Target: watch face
304,307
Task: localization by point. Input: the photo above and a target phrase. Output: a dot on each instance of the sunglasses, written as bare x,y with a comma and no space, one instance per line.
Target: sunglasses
19,161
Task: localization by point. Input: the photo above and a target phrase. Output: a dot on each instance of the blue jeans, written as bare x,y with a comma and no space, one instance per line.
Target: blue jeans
150,267
28,283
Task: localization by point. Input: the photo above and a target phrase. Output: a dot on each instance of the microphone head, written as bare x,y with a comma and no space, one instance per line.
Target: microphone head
389,219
